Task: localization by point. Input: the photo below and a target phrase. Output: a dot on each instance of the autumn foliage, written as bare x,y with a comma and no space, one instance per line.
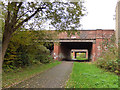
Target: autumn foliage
109,58
25,50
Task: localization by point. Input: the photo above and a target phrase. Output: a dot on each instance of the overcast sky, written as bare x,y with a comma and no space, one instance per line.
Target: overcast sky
101,14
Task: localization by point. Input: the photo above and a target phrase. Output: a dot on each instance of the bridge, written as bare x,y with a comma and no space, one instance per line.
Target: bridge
75,51
87,39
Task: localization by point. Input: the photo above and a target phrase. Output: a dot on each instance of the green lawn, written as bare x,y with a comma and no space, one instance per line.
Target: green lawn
11,78
87,75
79,58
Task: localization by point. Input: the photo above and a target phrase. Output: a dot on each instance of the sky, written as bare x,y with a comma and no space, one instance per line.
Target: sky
101,14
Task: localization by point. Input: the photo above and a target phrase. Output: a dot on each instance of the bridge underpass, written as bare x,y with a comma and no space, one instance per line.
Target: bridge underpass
75,52
66,48
87,39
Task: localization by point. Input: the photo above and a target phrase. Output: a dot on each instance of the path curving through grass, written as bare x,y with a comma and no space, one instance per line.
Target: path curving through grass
51,78
13,78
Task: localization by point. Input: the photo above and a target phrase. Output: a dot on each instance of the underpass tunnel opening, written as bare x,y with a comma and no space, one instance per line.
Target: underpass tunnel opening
67,47
79,54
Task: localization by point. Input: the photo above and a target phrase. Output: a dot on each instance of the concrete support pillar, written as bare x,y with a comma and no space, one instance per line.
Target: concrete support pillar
117,32
118,27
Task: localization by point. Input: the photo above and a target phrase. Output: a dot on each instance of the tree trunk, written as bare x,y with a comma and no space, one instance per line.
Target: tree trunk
6,39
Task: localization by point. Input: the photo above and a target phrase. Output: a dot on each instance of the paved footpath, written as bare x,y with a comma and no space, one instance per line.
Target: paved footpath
52,78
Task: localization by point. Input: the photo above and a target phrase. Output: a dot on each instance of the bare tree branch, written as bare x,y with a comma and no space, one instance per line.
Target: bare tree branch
21,16
19,6
14,19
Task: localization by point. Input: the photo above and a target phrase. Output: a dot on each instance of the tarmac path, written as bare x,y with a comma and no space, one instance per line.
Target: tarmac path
55,77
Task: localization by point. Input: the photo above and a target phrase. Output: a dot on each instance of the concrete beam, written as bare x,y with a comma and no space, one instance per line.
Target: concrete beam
76,40
79,50
68,41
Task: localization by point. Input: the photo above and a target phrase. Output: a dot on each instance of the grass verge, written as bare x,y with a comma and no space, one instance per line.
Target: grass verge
79,58
87,75
11,78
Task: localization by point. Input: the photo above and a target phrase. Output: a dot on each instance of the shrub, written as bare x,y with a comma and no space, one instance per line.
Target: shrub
45,58
23,51
43,54
109,57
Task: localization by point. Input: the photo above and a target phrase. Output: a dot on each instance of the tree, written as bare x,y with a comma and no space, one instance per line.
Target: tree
25,49
17,15
14,20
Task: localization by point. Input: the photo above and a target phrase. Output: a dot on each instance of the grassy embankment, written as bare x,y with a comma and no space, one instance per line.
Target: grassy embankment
12,78
87,75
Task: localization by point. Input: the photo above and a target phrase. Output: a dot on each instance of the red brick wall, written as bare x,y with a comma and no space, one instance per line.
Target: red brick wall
88,34
97,35
56,51
100,36
93,52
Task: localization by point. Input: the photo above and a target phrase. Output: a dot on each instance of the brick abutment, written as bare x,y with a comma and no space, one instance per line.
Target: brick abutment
91,40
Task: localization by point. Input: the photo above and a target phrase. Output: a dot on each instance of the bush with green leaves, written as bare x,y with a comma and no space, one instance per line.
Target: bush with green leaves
109,56
24,51
43,54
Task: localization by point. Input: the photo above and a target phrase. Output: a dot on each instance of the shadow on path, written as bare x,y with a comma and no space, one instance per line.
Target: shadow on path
76,60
